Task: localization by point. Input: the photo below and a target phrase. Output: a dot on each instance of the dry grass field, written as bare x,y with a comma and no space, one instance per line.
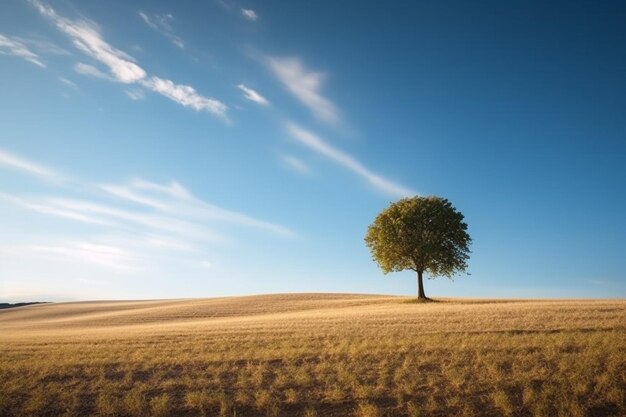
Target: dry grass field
314,355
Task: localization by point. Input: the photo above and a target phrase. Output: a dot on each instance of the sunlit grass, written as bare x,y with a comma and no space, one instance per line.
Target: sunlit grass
315,355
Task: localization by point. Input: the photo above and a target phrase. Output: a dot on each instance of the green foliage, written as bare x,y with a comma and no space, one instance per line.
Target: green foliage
424,234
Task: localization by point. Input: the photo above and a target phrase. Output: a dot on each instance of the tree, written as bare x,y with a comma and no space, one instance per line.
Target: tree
424,234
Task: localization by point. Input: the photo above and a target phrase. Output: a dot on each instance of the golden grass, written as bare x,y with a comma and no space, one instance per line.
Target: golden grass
314,355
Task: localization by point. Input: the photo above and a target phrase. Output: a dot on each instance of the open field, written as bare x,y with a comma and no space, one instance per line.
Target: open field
314,355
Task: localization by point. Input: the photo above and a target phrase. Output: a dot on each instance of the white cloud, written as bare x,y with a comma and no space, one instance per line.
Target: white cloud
168,243
85,251
253,95
185,95
249,14
162,24
147,221
317,144
174,199
135,94
14,162
44,207
86,36
86,69
295,164
12,46
43,45
166,224
68,82
172,209
305,85
115,251
172,189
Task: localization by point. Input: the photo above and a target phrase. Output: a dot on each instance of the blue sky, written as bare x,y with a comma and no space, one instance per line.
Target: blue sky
194,149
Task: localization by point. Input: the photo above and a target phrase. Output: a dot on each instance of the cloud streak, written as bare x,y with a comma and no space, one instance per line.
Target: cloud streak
253,95
249,14
186,96
11,161
305,85
175,199
86,36
90,70
318,145
174,208
47,208
69,83
85,251
43,46
143,222
12,46
295,164
135,94
162,23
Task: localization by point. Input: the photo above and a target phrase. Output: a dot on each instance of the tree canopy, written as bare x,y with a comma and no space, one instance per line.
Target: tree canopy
424,234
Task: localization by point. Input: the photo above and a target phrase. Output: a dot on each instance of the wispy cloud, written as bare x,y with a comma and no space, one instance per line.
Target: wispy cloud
69,83
132,226
305,85
118,251
249,14
173,208
42,45
44,207
103,255
14,162
12,46
86,36
135,94
174,199
85,251
86,69
148,222
295,164
253,95
162,23
317,144
185,95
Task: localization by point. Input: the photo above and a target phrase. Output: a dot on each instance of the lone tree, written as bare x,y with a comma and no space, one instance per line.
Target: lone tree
425,234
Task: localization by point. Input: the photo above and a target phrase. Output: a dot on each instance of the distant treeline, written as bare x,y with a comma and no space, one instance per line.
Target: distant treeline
9,305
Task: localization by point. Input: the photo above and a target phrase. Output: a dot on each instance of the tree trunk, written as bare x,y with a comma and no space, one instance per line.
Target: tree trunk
420,287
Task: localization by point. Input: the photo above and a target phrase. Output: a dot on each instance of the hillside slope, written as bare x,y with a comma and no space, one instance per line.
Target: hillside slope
116,313
314,354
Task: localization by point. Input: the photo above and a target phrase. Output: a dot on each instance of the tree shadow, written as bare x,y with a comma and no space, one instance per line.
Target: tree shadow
422,301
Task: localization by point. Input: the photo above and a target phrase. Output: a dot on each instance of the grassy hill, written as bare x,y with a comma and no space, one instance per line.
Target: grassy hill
314,355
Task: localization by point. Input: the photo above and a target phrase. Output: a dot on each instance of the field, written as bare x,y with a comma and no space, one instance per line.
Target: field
315,355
